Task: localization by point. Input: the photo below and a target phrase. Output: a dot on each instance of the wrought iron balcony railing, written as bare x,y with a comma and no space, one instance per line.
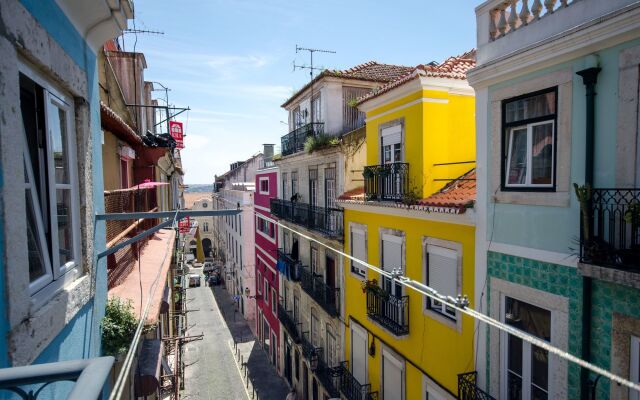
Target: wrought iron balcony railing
468,390
293,141
289,322
328,221
350,387
329,376
386,181
326,296
309,351
389,311
291,266
610,228
89,375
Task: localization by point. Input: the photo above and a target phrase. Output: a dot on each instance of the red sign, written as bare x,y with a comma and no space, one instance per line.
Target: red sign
176,133
184,225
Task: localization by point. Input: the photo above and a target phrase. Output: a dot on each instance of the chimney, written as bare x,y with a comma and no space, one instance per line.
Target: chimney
268,151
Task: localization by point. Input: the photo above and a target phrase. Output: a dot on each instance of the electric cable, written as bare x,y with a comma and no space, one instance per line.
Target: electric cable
460,303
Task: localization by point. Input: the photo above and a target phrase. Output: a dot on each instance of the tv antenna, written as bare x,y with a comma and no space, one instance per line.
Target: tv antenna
310,67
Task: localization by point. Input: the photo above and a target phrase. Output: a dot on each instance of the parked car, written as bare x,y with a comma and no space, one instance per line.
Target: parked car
194,280
208,267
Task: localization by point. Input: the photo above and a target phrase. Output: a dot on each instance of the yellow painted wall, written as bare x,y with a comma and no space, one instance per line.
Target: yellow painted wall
438,348
110,162
434,133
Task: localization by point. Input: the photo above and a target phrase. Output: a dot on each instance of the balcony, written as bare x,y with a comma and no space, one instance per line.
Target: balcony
326,296
329,376
328,221
351,388
89,375
291,266
389,311
386,181
289,322
293,142
610,235
467,389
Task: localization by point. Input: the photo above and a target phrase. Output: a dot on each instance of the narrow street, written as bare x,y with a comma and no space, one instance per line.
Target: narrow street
211,370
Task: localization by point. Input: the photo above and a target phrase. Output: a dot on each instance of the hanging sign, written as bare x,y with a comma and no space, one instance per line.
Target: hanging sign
175,128
184,225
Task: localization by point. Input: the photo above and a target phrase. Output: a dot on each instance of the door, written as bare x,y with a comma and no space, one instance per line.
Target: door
274,352
305,382
287,359
314,389
359,354
294,248
330,268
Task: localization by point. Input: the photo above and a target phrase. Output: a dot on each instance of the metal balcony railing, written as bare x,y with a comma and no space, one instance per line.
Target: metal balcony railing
610,228
386,181
89,375
329,376
328,221
326,296
308,350
350,387
389,311
293,141
291,266
468,390
289,322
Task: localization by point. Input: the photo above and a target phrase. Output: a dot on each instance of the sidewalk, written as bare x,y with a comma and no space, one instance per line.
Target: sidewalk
261,373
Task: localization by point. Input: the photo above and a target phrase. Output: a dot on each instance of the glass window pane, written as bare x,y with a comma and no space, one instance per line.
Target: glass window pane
542,154
59,135
517,172
515,355
514,389
531,107
65,226
36,259
539,371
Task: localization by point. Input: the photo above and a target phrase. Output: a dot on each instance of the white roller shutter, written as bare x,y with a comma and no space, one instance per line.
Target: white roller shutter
358,250
359,354
391,252
391,135
443,270
392,379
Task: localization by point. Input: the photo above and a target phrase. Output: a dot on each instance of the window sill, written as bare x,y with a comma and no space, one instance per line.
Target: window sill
66,282
454,324
531,198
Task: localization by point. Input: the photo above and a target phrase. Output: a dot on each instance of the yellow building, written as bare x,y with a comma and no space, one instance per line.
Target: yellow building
414,213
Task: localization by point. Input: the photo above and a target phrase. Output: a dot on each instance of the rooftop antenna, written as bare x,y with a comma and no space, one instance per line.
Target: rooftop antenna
310,67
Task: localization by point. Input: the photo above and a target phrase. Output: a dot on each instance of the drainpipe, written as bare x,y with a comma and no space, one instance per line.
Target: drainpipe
589,79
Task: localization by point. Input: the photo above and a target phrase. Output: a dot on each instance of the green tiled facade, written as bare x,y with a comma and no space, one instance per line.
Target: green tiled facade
607,298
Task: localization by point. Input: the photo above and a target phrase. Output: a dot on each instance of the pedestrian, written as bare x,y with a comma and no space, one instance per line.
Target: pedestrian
292,394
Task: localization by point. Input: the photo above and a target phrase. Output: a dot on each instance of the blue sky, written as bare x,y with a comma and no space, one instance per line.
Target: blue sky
231,60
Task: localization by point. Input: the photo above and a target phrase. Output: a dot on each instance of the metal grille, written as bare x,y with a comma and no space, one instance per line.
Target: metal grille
467,389
328,221
293,142
350,387
326,296
386,181
389,311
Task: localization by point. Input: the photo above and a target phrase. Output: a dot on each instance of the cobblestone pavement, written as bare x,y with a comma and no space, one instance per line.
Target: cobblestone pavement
211,369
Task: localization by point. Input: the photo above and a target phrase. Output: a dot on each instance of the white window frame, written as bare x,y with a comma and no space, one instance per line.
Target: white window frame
634,366
358,270
260,180
55,277
397,360
509,144
429,304
432,391
526,355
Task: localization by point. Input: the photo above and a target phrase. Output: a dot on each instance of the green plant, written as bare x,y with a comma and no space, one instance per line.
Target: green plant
411,196
276,157
371,286
319,142
632,215
353,102
118,326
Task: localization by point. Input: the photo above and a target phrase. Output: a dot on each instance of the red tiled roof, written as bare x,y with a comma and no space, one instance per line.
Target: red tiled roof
460,193
452,68
354,194
114,123
372,71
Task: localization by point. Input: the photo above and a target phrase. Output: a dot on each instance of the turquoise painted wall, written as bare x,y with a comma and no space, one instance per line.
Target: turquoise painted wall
81,337
557,228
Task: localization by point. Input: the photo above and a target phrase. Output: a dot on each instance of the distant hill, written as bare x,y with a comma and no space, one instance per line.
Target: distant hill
199,188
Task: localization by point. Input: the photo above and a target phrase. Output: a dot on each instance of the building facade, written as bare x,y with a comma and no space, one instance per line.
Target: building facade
322,143
413,216
266,257
556,250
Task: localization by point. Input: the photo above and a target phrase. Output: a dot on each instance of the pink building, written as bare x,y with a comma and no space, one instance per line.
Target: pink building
266,255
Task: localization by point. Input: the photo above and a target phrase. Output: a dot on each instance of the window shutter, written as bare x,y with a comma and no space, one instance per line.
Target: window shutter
392,379
359,355
391,135
443,270
359,250
392,254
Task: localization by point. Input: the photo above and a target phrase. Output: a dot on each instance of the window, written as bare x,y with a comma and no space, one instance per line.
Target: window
296,308
259,280
274,301
285,180
391,144
124,173
296,117
331,348
392,376
266,291
205,226
51,183
294,183
442,275
359,251
529,141
240,253
527,366
330,187
314,261
315,331
264,185
391,259
316,109
634,366
313,187
359,352
205,205
265,227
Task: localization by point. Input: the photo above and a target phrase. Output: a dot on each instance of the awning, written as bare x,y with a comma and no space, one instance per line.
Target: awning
147,380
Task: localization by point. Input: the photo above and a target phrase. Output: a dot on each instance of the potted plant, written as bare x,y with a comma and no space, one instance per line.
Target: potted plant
371,286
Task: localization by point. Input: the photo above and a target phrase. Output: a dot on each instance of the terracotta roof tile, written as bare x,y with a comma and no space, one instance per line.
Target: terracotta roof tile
460,193
452,68
354,194
372,71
